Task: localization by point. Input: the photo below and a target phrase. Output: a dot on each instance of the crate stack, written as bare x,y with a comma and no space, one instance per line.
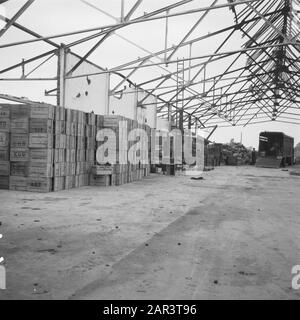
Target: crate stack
121,172
146,149
31,147
100,174
74,148
104,174
90,145
47,148
152,153
60,140
19,147
163,151
41,124
133,170
4,146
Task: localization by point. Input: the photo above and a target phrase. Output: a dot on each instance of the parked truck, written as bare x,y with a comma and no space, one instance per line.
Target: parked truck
275,149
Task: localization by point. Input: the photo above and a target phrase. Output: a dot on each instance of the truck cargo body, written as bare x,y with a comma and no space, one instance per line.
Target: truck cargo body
276,145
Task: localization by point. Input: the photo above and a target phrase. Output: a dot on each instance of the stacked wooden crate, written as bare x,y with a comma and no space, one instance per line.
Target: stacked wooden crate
74,148
60,139
104,173
90,145
19,148
146,149
122,171
47,148
100,174
4,146
163,152
31,147
41,124
71,123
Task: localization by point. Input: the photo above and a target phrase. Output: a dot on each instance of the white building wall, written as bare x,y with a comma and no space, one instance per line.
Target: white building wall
86,93
163,124
126,105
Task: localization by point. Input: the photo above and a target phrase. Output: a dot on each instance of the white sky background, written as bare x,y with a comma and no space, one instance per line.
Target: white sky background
49,17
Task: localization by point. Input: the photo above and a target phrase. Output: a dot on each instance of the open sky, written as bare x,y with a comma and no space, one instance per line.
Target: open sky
51,17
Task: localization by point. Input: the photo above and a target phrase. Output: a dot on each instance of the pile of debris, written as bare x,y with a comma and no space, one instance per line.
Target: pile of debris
236,154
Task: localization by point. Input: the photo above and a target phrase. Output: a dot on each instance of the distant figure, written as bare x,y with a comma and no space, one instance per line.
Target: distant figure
253,157
226,160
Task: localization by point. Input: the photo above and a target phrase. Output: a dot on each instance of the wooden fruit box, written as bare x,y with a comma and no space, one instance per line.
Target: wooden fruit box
40,140
60,169
4,139
19,140
19,154
40,126
70,169
20,169
39,184
19,111
59,155
40,169
17,183
60,141
60,127
69,182
80,130
20,125
41,155
70,142
90,155
80,142
70,155
5,111
80,155
59,183
4,168
42,111
71,128
4,124
4,154
4,182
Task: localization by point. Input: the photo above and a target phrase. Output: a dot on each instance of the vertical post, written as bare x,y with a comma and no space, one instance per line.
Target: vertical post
214,92
169,112
23,68
166,36
190,62
61,75
190,122
107,109
221,95
181,119
136,98
122,10
204,79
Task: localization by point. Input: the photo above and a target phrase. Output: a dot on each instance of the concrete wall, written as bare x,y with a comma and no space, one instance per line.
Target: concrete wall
87,93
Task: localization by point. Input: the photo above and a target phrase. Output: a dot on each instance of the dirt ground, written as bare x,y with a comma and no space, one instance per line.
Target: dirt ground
233,235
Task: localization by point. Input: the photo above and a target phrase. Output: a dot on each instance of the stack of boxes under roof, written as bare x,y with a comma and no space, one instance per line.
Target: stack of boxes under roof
47,148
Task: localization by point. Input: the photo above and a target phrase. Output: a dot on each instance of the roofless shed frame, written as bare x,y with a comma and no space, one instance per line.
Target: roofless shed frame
263,89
